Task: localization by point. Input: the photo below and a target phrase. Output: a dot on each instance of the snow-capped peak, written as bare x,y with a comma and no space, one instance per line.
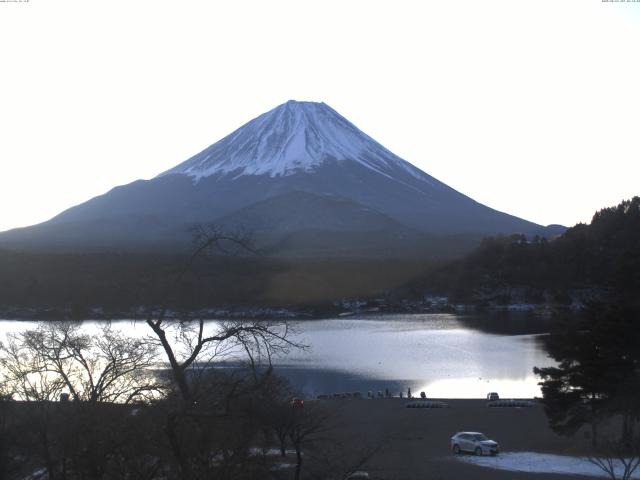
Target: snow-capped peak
293,137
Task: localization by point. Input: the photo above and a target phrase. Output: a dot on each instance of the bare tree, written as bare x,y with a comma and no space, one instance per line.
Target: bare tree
190,349
281,419
340,462
307,424
193,347
11,456
57,356
274,411
28,378
619,460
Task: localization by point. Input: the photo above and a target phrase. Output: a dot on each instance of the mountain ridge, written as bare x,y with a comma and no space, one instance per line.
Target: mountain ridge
303,147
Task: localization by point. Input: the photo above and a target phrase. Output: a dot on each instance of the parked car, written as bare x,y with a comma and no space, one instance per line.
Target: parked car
493,396
473,442
297,402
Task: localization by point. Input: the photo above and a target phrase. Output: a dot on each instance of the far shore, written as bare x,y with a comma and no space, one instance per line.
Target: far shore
314,312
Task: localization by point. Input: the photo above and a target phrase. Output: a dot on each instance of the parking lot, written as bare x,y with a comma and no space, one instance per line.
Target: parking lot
414,442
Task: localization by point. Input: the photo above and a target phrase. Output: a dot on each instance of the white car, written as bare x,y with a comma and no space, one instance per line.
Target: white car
473,442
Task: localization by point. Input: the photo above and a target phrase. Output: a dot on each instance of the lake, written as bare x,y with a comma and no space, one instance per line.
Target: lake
444,355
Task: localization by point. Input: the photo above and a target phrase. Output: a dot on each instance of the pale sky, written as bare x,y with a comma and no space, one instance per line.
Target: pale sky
530,107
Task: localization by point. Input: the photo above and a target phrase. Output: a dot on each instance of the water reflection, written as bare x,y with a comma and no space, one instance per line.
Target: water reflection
445,355
439,354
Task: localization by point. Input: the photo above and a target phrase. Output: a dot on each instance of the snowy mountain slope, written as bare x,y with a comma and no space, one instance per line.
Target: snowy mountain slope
300,167
293,137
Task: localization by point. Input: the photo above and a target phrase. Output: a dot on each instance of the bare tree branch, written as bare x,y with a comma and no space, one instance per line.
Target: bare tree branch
104,368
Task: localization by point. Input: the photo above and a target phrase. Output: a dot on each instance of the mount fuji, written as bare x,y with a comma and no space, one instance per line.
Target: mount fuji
303,178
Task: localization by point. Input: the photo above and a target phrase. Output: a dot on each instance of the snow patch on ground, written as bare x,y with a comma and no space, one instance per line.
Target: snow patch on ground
39,474
533,462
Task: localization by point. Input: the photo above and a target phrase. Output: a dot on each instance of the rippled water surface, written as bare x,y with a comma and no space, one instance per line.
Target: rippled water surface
444,355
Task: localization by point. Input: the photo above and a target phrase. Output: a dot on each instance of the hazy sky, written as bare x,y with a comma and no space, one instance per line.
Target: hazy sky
530,107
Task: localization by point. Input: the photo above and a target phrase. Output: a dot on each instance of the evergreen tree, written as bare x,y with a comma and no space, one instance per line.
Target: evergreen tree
598,372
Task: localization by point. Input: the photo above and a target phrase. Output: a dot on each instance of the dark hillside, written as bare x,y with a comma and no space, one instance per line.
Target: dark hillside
123,282
603,255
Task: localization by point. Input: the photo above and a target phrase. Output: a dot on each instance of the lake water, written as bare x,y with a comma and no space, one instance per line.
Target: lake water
444,355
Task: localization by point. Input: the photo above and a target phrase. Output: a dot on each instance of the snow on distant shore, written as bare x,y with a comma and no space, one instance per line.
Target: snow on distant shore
532,462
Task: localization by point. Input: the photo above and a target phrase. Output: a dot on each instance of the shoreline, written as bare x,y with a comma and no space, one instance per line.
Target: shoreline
276,313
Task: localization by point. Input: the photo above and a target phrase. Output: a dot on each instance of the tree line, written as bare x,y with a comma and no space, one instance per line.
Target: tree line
603,255
71,285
